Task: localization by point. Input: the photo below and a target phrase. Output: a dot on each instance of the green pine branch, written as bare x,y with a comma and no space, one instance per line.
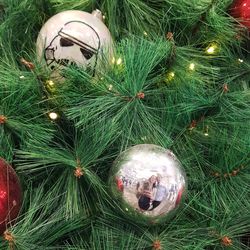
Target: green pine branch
21,108
72,167
41,224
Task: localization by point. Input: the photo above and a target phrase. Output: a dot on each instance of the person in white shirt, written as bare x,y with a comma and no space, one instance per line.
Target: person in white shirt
160,195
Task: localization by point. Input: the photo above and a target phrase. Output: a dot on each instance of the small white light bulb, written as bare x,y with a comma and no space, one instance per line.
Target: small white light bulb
53,115
192,66
119,61
211,50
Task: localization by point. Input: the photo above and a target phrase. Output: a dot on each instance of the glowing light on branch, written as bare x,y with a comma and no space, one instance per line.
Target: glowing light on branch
192,66
170,76
53,116
119,61
212,49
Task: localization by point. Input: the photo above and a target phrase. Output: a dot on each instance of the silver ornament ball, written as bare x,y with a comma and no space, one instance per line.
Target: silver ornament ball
148,183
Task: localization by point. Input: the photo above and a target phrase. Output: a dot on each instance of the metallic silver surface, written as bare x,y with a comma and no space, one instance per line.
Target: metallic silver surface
148,181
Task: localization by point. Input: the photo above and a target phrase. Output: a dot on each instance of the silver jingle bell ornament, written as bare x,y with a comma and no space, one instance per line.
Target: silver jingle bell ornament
75,37
148,183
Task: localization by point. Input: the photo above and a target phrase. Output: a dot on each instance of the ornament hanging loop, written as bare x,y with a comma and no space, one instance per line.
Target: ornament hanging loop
97,13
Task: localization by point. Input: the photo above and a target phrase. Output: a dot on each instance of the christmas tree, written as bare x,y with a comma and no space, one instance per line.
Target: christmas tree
178,78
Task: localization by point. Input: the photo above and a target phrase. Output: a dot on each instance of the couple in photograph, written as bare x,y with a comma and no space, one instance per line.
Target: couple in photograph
151,193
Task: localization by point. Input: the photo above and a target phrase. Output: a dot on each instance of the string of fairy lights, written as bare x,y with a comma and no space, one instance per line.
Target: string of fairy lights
210,50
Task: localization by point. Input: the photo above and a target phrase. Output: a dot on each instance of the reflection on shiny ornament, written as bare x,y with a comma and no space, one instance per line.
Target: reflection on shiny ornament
149,182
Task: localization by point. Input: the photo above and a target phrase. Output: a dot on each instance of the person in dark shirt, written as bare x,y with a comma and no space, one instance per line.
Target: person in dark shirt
145,198
146,193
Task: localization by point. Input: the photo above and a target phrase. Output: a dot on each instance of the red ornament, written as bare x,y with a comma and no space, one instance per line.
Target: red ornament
119,184
240,9
10,195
